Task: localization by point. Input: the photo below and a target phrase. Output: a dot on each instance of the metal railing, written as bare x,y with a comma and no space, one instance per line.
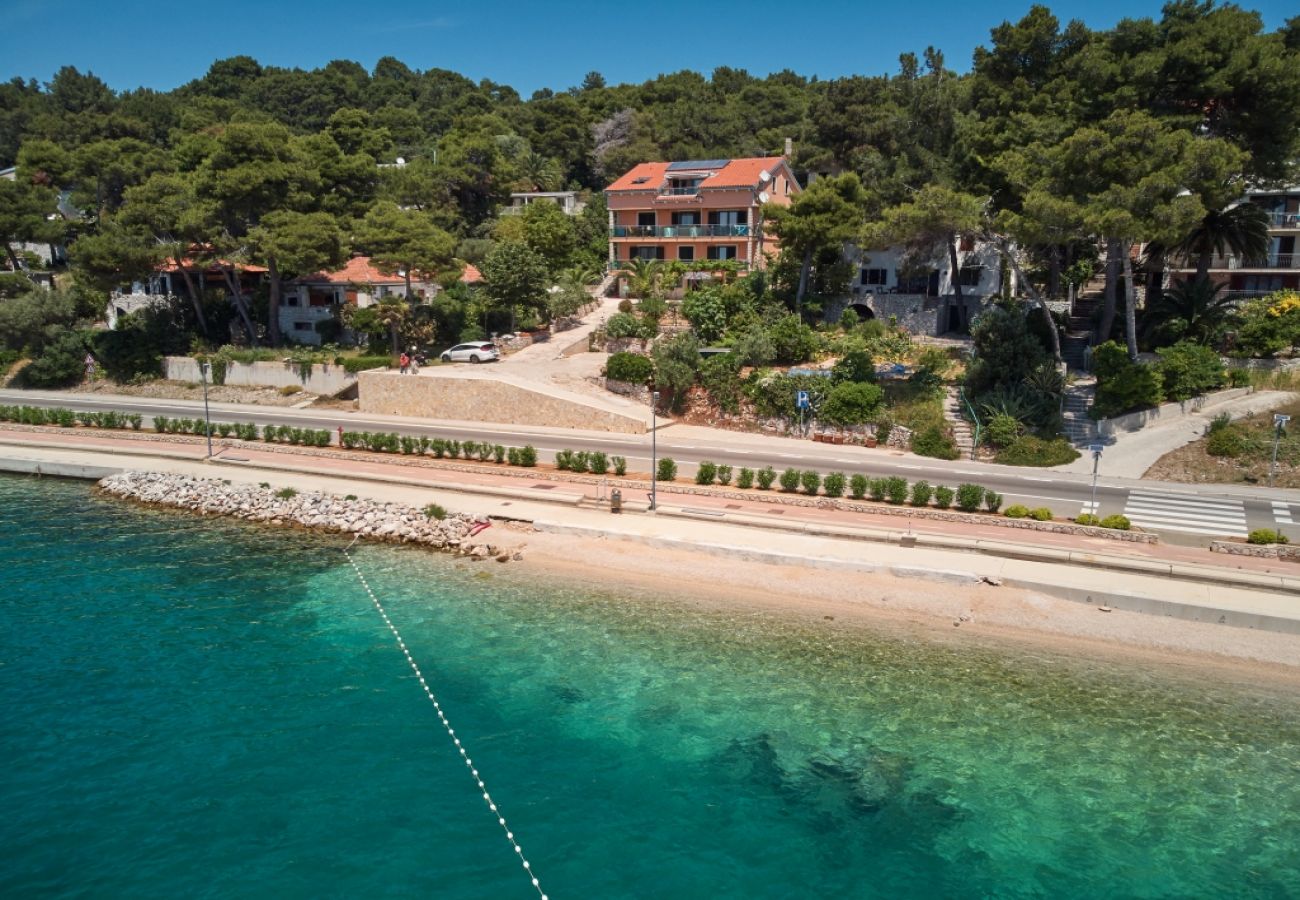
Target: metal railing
1284,220
679,231
1272,261
680,191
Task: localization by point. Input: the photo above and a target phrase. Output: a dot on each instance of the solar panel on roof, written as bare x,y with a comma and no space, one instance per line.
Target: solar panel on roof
694,164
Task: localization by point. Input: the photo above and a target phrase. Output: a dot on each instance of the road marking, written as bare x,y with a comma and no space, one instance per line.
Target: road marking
1090,508
902,466
1187,514
1282,513
1029,478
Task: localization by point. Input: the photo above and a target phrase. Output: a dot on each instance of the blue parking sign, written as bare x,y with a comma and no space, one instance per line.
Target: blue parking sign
801,400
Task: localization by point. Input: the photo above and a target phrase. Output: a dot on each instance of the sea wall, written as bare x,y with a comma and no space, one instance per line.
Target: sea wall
324,379
393,522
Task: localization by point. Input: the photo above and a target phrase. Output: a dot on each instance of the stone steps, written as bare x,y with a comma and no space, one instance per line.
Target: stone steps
1076,424
963,432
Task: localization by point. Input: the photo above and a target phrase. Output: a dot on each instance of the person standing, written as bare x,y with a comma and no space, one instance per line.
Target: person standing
404,361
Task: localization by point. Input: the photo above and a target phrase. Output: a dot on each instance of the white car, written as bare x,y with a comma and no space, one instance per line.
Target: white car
477,352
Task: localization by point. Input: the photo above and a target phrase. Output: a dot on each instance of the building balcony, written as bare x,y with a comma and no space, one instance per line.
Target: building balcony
1283,220
679,191
1234,263
680,232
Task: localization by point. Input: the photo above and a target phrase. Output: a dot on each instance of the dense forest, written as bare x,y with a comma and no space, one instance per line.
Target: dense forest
1058,138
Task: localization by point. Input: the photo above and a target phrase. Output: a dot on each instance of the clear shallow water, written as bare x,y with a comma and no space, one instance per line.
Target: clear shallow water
198,708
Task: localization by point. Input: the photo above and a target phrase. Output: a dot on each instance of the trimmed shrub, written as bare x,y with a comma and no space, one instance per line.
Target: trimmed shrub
528,456
943,497
160,424
896,489
1266,536
935,443
724,474
790,480
1016,511
667,470
629,367
598,462
833,484
512,456
745,479
766,476
921,493
1226,441
1002,430
498,453
858,486
563,459
993,501
876,487
1117,521
1041,514
1086,519
810,481
705,472
360,363
1028,450
620,464
969,497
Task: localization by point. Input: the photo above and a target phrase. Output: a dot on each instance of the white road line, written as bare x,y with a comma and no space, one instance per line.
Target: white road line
1159,509
1028,478
1187,529
1282,513
1138,515
1225,508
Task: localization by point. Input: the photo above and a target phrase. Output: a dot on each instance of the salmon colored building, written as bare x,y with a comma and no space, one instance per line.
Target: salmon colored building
697,210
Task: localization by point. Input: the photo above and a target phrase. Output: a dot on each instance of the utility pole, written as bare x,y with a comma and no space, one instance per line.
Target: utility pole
1279,424
207,421
654,449
1096,462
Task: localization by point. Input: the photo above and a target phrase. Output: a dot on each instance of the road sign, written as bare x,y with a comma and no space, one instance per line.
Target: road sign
1279,420
1096,449
801,400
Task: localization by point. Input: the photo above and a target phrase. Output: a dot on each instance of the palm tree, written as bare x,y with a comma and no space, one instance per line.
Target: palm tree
644,276
1241,230
1191,310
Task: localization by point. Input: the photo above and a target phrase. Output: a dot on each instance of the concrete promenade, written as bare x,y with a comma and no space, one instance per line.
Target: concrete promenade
1182,582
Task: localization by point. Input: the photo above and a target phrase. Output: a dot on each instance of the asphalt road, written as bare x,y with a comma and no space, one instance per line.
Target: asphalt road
1184,514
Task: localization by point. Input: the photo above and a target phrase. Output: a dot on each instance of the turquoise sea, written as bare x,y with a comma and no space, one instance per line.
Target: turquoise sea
198,708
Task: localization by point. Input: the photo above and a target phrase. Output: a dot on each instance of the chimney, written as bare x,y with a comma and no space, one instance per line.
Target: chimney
789,147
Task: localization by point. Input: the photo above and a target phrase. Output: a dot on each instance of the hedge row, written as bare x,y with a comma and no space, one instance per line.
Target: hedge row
592,461
896,490
68,418
439,448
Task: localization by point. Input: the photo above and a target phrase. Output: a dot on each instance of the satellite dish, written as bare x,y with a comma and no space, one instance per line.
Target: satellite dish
762,196
764,176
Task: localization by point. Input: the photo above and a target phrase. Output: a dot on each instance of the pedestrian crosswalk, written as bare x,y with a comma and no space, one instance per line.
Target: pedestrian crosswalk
1184,513
1282,513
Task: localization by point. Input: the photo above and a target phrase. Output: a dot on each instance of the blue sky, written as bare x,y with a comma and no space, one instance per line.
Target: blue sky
527,45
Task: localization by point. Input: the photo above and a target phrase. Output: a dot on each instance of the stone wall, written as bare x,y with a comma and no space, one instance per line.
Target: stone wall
1260,551
472,399
914,313
1136,421
324,379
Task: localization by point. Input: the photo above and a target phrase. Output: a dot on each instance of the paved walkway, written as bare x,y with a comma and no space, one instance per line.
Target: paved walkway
1129,454
1168,580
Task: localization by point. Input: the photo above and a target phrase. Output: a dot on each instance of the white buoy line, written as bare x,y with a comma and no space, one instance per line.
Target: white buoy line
442,717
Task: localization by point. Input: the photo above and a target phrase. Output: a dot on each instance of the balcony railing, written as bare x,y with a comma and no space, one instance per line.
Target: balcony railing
679,231
1274,261
1284,220
680,191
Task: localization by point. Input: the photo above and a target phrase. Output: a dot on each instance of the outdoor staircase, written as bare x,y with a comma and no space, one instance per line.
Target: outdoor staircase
1079,326
602,289
962,429
1078,427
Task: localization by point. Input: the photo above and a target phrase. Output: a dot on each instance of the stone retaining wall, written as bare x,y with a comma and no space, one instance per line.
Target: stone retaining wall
1260,551
472,399
324,378
1136,421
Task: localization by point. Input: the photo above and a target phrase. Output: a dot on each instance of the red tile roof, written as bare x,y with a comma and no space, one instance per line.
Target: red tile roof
209,265
471,275
357,271
736,173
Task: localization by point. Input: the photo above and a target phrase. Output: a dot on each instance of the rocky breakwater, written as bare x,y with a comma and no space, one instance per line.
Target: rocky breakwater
393,522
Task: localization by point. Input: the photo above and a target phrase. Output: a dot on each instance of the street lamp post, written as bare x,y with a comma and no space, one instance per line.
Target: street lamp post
654,449
1279,422
1096,462
207,421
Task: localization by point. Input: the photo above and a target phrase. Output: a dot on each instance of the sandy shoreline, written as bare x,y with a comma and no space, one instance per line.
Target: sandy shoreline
913,607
